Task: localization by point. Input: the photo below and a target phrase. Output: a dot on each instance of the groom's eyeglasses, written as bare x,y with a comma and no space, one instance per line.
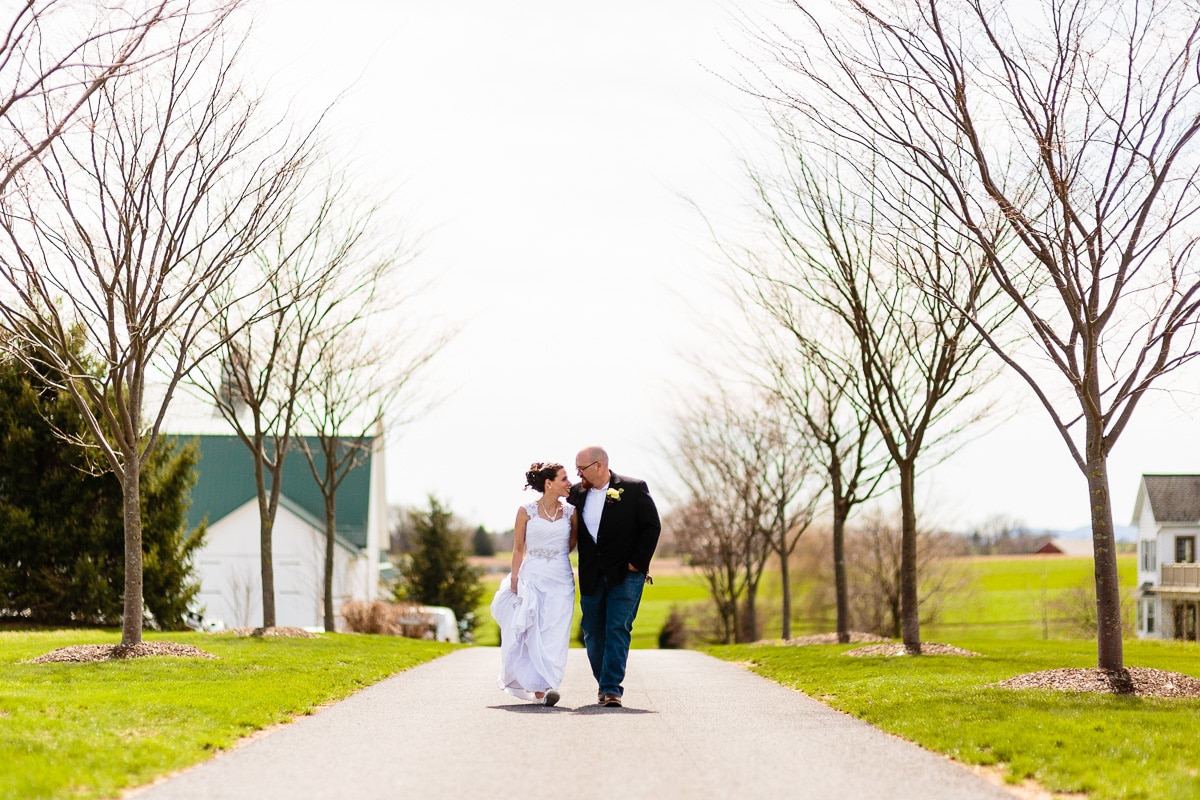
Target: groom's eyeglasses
582,470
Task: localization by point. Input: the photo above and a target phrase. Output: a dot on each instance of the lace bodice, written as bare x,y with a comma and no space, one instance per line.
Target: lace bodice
546,539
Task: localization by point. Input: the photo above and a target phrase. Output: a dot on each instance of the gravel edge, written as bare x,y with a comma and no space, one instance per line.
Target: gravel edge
84,653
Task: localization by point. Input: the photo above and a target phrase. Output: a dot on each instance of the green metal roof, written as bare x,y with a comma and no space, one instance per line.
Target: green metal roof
225,482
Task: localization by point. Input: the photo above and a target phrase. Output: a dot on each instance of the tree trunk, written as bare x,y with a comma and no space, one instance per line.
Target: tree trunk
733,623
732,615
910,617
786,631
266,525
1110,646
131,490
267,564
728,625
330,533
748,629
840,512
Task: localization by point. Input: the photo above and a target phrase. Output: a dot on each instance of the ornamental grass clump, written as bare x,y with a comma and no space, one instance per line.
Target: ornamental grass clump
674,633
389,619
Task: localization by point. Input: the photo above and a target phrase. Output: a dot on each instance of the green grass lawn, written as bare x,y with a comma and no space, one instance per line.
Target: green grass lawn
88,730
1003,597
1015,596
1107,746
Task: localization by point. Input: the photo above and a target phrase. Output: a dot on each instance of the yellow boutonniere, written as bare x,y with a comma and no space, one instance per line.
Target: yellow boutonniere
614,495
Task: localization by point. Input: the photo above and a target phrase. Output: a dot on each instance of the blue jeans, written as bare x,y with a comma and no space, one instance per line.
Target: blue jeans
607,624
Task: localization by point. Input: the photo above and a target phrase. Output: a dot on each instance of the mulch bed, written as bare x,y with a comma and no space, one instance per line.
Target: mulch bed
82,653
1136,681
856,637
281,632
897,649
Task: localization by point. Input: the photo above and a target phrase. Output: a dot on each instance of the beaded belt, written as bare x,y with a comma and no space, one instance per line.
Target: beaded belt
543,552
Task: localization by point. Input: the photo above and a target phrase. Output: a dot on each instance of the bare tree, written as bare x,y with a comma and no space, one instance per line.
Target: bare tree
795,484
987,535
1076,125
240,585
55,55
366,365
267,344
875,556
919,357
133,224
1074,609
732,461
712,546
813,369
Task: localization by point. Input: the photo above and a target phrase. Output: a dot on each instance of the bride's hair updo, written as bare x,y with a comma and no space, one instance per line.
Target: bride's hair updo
539,472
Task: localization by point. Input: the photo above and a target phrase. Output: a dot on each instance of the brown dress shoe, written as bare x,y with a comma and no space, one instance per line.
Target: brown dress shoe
612,700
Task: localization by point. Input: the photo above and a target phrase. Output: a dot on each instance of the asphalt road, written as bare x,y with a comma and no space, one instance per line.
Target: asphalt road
692,727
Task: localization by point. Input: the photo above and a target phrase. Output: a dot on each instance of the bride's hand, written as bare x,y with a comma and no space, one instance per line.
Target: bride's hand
513,584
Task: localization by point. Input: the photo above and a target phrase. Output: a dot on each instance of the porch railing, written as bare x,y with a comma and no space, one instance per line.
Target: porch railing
1181,575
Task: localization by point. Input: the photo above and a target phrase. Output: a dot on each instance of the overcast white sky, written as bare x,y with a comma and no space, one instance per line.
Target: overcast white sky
546,148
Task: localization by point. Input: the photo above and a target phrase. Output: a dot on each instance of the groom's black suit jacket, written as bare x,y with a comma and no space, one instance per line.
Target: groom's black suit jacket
628,534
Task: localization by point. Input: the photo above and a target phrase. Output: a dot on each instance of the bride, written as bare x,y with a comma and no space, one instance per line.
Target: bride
534,603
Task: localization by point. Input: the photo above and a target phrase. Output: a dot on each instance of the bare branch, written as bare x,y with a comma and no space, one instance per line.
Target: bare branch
127,230
1076,128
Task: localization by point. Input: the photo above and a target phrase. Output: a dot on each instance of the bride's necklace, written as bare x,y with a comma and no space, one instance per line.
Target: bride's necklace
550,516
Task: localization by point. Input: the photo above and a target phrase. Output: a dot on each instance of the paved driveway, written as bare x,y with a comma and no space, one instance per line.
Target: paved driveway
692,727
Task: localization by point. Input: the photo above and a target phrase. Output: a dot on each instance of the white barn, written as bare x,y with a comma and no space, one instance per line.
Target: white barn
1167,516
229,564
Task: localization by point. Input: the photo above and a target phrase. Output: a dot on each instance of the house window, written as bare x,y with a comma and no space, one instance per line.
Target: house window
1185,549
1149,549
1149,616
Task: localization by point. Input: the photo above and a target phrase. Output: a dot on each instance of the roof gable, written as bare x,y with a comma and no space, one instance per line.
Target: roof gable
1073,547
1173,498
225,482
300,513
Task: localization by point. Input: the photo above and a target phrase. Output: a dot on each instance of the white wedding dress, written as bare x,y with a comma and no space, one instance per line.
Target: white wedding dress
535,623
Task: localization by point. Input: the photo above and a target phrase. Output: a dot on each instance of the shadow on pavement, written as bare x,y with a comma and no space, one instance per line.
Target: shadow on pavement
607,710
589,709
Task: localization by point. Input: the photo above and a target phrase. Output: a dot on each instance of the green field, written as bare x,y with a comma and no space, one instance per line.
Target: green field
1020,597
1108,746
89,730
1004,597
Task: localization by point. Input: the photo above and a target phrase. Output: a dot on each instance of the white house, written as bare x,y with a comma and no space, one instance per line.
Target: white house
229,563
1167,516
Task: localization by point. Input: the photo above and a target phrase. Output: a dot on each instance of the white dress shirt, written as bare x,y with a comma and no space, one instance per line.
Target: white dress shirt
593,507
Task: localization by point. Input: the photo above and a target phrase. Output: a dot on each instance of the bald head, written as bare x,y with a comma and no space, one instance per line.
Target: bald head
591,465
589,454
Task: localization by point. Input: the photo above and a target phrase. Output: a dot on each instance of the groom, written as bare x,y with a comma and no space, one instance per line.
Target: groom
620,531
